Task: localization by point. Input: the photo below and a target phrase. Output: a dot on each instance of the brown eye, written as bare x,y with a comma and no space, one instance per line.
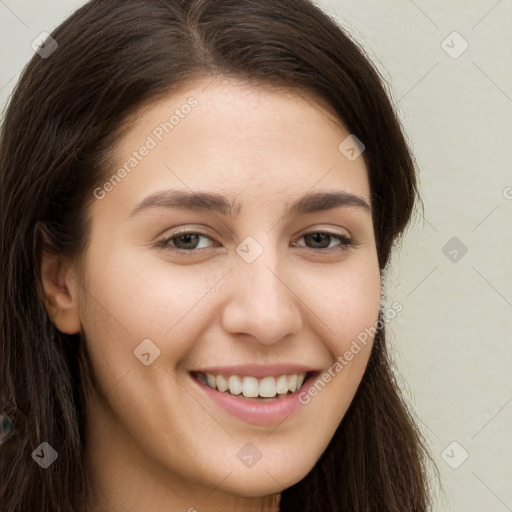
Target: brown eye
321,240
185,241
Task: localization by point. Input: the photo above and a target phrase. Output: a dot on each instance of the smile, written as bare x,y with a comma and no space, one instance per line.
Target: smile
253,387
264,401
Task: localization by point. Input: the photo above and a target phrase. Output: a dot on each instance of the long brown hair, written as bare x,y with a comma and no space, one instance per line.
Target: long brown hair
67,113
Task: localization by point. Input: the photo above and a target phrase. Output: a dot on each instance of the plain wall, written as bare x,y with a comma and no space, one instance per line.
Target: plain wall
451,341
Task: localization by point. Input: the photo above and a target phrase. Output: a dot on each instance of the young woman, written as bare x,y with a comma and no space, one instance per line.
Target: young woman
198,202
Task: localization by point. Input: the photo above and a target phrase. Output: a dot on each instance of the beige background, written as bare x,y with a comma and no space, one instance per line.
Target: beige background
451,341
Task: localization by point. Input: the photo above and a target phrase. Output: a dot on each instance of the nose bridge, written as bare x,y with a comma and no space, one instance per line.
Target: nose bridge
261,304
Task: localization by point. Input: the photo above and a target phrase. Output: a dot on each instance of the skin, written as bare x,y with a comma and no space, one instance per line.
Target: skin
154,441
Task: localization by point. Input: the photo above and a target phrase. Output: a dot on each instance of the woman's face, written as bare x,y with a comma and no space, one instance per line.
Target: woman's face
261,290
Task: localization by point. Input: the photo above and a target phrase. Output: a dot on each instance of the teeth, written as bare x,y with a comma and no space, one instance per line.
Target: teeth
222,383
235,385
292,383
251,387
210,379
282,385
268,387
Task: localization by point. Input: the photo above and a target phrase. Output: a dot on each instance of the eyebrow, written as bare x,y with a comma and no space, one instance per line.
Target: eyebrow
200,201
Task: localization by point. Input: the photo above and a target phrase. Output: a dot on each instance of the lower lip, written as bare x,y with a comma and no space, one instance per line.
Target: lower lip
263,413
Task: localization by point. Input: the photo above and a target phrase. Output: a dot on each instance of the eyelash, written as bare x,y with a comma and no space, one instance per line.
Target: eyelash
345,242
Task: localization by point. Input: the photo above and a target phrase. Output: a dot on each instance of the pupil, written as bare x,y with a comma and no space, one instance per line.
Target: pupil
187,237
319,237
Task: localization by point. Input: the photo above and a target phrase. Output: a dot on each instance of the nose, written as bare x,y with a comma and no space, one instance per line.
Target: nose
262,302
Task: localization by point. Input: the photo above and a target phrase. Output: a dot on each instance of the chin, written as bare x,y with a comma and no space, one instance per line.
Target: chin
267,480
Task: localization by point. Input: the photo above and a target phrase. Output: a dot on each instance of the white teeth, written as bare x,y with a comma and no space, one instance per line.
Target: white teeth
282,385
222,383
300,379
292,383
235,385
252,387
268,387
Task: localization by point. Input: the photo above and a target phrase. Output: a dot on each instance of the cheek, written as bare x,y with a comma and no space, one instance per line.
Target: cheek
130,299
145,296
350,301
126,302
352,307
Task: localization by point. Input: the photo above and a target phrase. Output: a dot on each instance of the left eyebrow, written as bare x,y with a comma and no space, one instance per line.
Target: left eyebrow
320,201
200,201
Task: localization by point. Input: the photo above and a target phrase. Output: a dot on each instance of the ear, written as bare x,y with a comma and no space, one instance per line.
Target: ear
59,289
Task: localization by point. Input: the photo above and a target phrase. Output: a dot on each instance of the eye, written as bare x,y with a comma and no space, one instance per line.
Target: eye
321,240
185,241
318,241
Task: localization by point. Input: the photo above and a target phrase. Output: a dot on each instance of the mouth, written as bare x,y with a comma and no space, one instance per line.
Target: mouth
268,397
255,389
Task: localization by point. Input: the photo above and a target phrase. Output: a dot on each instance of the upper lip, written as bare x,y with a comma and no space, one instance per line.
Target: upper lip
253,370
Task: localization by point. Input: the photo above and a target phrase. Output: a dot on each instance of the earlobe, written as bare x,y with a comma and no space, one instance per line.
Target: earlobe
59,294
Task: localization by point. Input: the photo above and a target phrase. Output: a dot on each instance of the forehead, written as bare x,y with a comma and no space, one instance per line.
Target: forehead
221,134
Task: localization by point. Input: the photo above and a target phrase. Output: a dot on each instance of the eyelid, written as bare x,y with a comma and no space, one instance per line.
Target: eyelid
191,230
